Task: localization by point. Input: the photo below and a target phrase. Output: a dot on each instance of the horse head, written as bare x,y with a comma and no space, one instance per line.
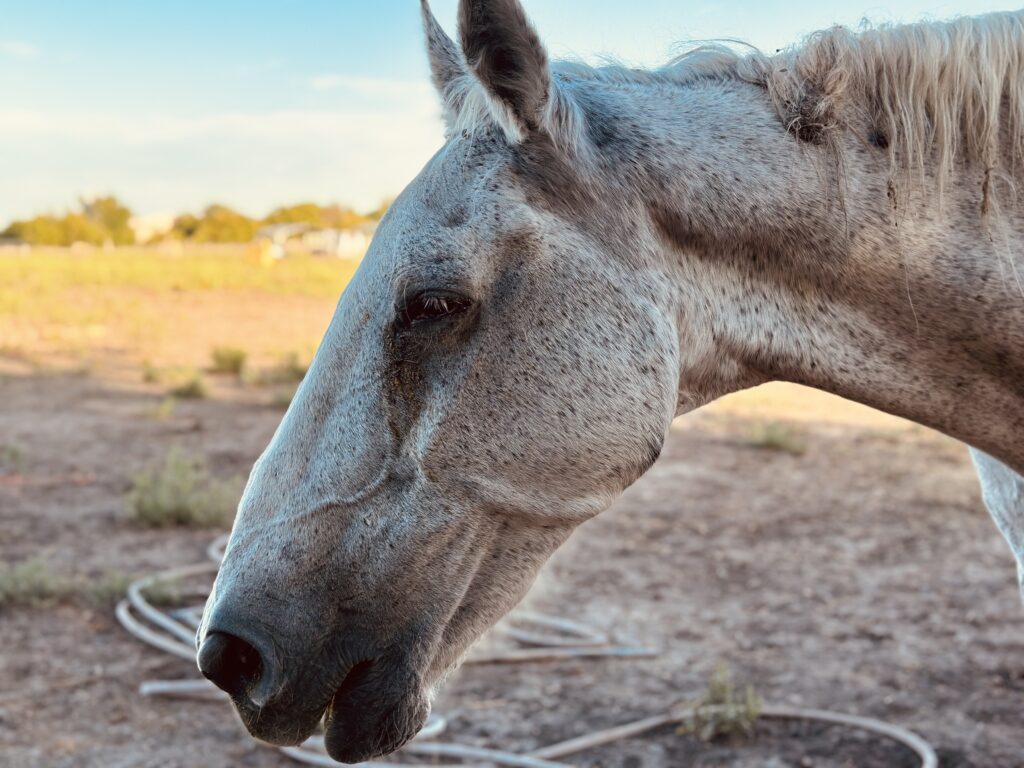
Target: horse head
497,372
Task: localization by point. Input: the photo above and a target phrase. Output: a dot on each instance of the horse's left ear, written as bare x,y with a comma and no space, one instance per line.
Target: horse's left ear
506,55
446,64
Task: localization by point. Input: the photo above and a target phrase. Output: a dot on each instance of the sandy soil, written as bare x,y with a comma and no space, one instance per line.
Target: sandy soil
862,575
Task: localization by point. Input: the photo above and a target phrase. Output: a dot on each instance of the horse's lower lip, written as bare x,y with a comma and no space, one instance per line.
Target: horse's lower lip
348,744
372,713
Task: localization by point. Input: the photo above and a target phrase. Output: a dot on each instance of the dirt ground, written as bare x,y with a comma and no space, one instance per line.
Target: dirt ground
860,574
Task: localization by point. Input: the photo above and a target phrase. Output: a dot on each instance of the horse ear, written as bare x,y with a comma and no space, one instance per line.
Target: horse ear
446,64
507,57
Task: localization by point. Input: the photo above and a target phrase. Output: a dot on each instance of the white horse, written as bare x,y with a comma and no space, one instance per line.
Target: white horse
592,253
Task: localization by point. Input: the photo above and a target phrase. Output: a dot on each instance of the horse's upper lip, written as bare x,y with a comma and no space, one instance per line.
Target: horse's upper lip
278,723
289,719
286,709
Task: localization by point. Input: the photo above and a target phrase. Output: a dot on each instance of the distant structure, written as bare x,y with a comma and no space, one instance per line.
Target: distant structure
152,227
276,240
13,245
272,240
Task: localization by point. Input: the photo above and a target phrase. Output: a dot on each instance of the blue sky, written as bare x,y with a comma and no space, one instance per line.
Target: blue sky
173,106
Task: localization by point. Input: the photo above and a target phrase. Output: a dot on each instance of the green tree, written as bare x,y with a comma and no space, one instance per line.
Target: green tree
331,216
185,227
49,230
100,220
80,228
303,213
221,224
342,217
113,217
42,230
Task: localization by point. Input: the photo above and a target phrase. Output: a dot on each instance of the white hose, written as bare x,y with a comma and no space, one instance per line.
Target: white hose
571,641
136,596
907,738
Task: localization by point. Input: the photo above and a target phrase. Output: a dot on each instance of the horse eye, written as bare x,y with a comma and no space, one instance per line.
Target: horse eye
428,307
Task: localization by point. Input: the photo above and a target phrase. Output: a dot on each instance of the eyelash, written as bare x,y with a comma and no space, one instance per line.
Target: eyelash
428,307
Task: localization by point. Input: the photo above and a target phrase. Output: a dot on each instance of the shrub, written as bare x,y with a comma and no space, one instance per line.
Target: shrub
192,388
179,492
776,436
105,590
290,370
150,373
229,360
282,399
163,593
163,410
186,383
721,712
30,584
12,459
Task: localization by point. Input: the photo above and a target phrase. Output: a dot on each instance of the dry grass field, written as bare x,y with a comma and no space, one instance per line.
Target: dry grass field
168,307
829,555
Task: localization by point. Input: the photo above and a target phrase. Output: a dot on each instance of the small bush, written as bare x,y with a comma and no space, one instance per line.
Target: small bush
12,459
776,436
163,593
104,591
721,712
228,360
163,410
292,368
289,370
193,388
182,382
179,492
151,374
282,399
30,584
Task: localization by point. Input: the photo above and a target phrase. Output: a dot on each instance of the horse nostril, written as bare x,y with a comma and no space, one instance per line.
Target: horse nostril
230,663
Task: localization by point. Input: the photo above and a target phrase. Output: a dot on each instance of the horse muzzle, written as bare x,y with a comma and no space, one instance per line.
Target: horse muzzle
370,704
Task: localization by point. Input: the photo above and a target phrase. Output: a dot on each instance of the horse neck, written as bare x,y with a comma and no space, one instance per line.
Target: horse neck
794,263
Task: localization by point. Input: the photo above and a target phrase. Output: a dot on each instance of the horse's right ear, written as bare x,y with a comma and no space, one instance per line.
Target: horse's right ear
446,64
505,54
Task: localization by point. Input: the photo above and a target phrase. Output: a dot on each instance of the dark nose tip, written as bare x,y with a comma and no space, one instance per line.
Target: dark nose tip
230,663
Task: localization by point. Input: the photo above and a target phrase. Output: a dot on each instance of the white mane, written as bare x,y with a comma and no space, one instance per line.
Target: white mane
932,93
